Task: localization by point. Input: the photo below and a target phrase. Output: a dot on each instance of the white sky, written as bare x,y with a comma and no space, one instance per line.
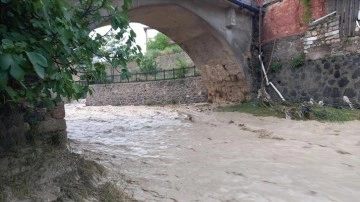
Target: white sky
140,33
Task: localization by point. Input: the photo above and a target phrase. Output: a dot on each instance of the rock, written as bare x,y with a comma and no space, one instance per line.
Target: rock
51,125
58,112
327,65
337,74
356,74
343,82
335,93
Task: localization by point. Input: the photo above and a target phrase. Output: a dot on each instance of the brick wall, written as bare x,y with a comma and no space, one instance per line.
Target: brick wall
284,18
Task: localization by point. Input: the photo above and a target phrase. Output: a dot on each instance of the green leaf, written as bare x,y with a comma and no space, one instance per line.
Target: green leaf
114,24
39,62
3,80
17,72
6,61
11,92
7,43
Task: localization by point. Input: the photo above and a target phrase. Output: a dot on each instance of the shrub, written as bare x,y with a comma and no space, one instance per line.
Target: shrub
148,64
298,60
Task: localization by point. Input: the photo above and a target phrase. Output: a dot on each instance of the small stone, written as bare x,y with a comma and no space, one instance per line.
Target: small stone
337,74
331,82
343,82
231,121
356,74
327,91
335,93
327,65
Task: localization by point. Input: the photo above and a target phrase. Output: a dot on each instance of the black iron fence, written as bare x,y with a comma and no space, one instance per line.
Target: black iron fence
157,75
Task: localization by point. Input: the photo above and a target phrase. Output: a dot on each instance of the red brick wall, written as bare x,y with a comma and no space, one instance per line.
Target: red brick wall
285,18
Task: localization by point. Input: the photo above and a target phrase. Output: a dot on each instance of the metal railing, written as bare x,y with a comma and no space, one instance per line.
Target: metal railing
158,75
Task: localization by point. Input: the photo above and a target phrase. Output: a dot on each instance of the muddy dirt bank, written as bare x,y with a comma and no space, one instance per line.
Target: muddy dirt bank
181,153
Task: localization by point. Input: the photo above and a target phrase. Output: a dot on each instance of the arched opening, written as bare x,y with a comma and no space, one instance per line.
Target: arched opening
222,74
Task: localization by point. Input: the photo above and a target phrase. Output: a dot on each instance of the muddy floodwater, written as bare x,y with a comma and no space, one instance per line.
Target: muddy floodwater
190,153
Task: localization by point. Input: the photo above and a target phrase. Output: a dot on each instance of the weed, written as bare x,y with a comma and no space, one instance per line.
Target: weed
298,61
307,10
276,66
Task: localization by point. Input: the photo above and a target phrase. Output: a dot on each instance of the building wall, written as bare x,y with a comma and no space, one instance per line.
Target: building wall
331,67
285,18
188,90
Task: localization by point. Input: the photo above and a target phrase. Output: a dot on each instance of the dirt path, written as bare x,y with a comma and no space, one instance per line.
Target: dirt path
219,156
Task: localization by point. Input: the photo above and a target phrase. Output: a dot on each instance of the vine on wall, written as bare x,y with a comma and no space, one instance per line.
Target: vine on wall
307,10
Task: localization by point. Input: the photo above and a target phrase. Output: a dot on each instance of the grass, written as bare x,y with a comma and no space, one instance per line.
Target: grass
334,114
319,113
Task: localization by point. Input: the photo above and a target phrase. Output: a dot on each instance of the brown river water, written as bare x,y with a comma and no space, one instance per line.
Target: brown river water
218,156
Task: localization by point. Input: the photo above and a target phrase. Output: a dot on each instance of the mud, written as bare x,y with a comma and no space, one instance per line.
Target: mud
190,153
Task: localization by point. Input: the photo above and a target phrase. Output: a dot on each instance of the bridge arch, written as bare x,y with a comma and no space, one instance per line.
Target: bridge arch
200,28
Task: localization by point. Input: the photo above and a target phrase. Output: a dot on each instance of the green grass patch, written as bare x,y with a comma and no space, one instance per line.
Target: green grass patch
319,113
334,114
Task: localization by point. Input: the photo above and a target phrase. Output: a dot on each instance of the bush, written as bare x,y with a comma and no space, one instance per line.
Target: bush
148,64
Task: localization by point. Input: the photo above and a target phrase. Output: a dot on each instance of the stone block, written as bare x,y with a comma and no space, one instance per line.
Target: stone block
332,33
58,112
335,23
51,125
311,38
343,82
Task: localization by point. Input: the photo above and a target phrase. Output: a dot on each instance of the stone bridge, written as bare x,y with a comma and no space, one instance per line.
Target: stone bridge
214,33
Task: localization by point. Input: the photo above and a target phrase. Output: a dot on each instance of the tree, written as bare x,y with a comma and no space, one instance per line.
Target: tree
45,43
160,42
161,45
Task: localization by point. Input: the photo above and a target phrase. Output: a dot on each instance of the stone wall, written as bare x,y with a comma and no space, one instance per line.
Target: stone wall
188,90
25,125
323,79
321,35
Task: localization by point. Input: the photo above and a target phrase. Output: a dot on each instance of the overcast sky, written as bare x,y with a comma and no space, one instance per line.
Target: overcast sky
138,29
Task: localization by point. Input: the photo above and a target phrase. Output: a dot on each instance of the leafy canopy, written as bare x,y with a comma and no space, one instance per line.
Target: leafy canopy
45,43
161,45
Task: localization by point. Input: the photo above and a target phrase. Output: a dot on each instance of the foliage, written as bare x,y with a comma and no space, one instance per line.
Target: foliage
125,74
161,45
298,60
307,10
181,65
160,42
276,66
45,43
148,64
